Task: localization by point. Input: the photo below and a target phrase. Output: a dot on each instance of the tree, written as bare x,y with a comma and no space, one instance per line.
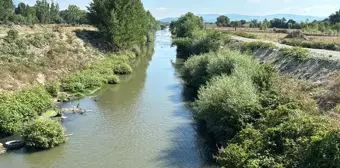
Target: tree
73,15
222,21
123,23
335,17
186,25
236,24
42,8
6,9
43,134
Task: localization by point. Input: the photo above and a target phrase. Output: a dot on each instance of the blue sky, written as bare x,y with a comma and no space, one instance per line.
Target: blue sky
169,8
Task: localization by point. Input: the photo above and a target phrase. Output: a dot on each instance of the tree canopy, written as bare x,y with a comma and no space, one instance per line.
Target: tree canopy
123,23
335,17
186,25
222,21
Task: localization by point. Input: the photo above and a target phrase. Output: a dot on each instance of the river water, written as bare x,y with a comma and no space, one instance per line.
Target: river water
141,123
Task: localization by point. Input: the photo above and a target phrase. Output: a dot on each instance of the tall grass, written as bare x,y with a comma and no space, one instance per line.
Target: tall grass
312,44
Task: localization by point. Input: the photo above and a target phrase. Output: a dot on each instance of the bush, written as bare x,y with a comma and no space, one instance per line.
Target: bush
43,134
122,68
297,53
21,107
224,104
201,42
254,46
53,89
312,44
113,79
12,35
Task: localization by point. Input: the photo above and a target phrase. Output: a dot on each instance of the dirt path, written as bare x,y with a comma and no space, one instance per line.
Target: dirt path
319,53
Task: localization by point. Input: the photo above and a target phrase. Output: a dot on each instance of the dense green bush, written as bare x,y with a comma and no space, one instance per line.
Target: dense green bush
224,104
12,35
186,25
312,44
254,46
201,42
122,68
53,89
197,70
43,134
21,107
297,53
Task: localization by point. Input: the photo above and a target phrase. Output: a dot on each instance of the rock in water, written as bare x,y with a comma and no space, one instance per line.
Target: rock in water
2,149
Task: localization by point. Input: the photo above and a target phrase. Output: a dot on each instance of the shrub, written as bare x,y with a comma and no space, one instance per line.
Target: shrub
43,134
21,107
53,89
12,35
113,79
224,104
312,44
297,53
281,31
253,46
122,68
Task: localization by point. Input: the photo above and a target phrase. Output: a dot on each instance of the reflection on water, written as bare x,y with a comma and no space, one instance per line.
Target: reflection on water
143,122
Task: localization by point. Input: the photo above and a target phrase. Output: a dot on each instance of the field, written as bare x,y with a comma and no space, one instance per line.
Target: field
316,40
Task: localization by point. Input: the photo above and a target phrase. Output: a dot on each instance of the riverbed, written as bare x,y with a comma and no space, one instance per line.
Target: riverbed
144,122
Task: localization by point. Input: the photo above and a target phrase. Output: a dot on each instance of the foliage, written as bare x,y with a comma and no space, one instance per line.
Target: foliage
21,107
12,35
201,42
186,25
53,89
256,45
312,44
244,34
222,21
297,53
335,17
123,23
43,134
98,74
74,15
6,9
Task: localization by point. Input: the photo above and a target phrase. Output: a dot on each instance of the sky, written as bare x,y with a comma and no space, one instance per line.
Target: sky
173,8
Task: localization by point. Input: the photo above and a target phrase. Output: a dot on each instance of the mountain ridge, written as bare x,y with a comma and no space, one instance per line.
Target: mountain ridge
233,17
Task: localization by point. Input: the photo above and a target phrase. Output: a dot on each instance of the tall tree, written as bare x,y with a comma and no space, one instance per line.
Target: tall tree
73,15
6,9
124,23
186,25
335,17
42,8
222,21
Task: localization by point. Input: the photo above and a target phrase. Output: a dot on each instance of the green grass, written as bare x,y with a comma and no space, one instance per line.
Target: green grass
312,44
254,46
298,53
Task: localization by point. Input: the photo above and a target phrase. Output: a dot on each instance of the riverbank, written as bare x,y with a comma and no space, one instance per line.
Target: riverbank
257,116
34,98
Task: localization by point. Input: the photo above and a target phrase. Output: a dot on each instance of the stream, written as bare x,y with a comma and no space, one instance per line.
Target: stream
144,122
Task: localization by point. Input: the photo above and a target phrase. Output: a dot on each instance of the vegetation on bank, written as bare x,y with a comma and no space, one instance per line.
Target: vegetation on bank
258,117
43,134
128,29
335,46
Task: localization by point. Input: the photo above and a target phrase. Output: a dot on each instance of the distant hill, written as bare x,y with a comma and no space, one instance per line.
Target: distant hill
233,17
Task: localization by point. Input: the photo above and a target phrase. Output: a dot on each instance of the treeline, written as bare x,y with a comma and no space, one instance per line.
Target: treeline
43,12
331,23
257,117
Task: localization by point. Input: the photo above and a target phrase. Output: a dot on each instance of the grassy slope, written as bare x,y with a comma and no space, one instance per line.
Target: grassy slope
41,55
